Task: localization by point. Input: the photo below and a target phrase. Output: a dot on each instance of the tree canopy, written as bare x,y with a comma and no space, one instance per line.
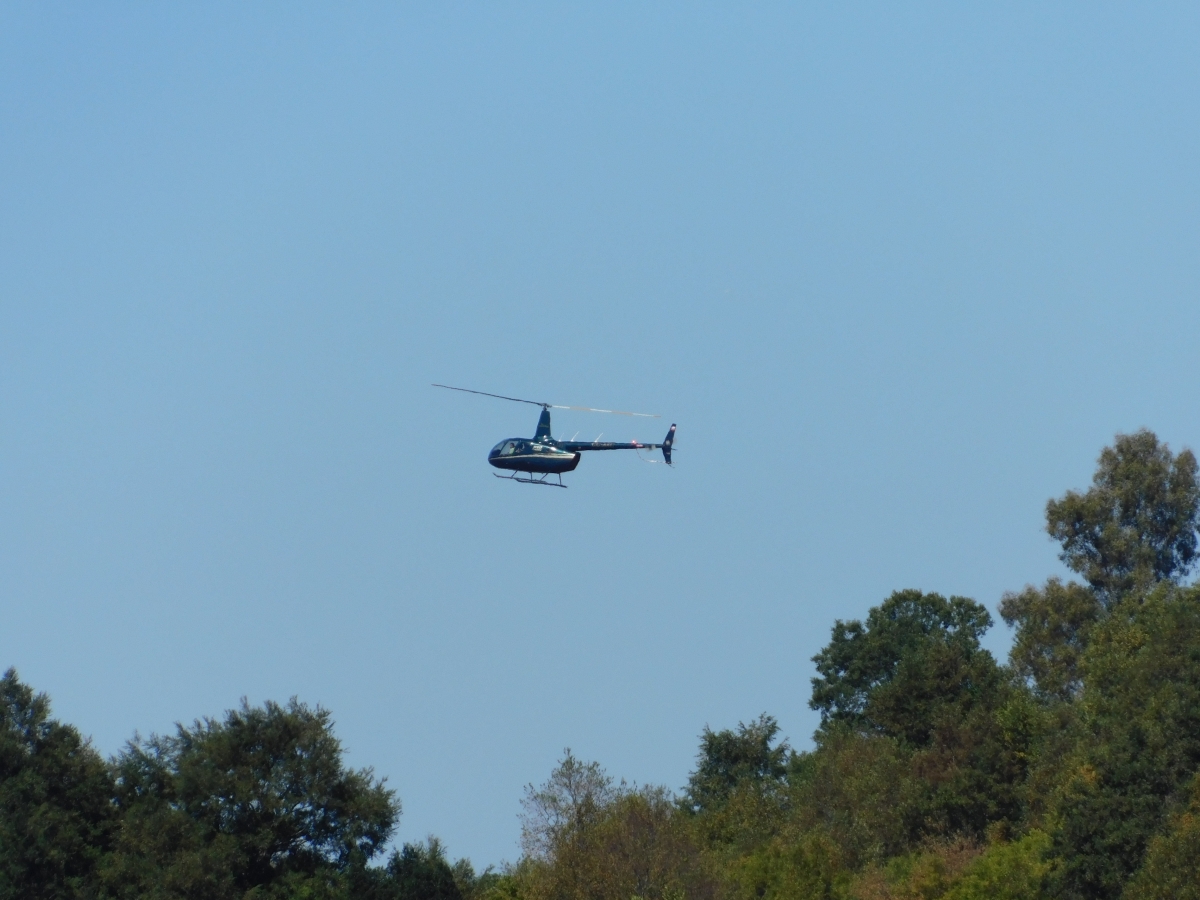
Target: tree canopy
1137,523
56,815
1053,625
731,758
911,655
1069,772
257,799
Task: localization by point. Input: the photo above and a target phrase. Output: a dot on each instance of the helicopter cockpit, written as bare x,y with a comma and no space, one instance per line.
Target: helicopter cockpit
504,448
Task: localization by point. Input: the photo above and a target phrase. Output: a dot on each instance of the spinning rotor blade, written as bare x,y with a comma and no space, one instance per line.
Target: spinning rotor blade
616,412
486,394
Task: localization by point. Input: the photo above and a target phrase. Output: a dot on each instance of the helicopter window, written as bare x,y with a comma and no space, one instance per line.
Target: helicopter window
509,449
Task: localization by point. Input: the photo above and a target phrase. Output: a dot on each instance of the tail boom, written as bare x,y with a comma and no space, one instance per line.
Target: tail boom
579,446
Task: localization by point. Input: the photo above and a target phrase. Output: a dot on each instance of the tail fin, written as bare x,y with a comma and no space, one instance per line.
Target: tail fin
666,446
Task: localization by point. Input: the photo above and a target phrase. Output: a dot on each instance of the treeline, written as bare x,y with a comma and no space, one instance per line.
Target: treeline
1070,771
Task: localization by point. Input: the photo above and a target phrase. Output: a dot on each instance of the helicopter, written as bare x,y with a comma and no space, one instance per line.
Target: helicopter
541,456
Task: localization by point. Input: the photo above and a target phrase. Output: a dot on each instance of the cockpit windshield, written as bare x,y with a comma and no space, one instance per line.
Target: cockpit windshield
504,448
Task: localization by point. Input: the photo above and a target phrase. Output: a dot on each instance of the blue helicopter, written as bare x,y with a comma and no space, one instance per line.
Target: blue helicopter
541,456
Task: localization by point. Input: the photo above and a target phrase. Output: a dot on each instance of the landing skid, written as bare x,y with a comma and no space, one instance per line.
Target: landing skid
532,480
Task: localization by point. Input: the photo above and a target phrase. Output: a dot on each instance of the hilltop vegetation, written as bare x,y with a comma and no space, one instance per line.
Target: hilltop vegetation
1072,771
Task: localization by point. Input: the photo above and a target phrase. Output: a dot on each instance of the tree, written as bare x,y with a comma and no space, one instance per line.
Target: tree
1007,871
1138,741
916,674
860,790
586,838
56,813
729,758
737,796
1171,870
1053,625
258,800
808,866
573,798
418,872
486,885
886,675
1137,524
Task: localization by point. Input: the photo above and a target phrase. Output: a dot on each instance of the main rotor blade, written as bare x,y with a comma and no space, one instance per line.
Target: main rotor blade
615,412
497,396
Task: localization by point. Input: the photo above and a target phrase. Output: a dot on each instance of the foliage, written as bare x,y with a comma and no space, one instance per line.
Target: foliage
809,867
729,759
257,801
959,869
1138,743
916,674
876,675
56,815
859,790
1171,870
596,841
574,798
1007,871
1136,525
1053,625
927,874
737,791
418,872
482,885
935,774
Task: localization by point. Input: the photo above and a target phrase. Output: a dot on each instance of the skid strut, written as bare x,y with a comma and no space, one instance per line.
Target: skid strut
532,480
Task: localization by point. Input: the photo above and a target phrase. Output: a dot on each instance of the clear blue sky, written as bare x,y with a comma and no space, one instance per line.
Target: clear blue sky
897,274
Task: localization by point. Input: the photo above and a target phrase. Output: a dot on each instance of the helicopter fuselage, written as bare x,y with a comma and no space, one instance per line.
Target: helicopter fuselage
525,455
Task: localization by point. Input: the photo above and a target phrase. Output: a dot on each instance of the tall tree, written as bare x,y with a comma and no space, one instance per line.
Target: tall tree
1137,523
1138,742
56,813
1053,625
415,872
729,759
587,838
574,798
1171,870
915,673
886,674
257,800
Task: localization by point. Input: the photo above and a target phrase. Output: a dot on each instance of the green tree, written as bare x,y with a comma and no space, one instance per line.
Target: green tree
574,798
807,866
258,801
1171,870
418,872
860,790
480,885
1136,525
916,674
961,870
1138,740
729,759
639,845
56,812
1053,625
910,656
1016,870
927,873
